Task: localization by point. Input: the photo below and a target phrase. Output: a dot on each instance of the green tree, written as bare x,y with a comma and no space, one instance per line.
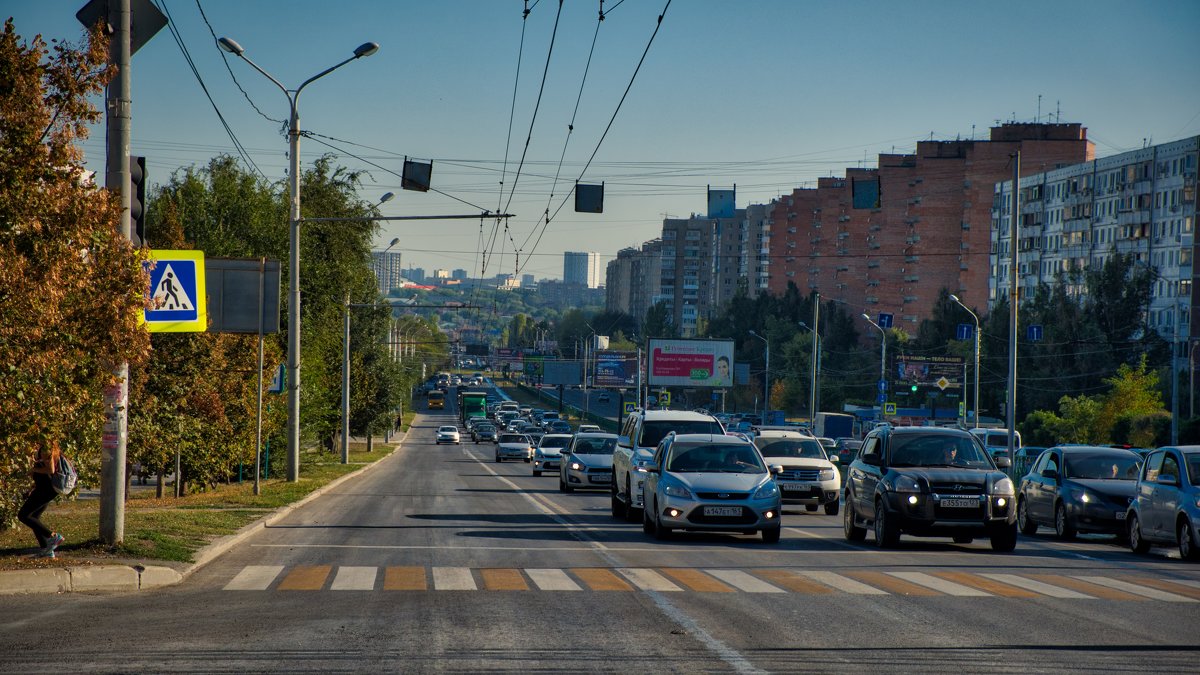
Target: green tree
658,322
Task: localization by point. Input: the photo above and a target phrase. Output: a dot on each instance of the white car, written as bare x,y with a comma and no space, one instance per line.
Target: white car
548,453
809,476
448,434
640,436
514,446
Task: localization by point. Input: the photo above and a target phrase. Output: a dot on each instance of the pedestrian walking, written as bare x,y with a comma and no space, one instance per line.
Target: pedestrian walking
45,463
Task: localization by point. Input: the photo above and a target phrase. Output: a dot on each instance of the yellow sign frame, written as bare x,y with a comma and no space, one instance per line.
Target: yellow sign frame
193,321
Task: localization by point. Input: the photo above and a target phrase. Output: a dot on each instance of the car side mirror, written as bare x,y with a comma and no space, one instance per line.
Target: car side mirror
1003,463
1168,479
1050,473
835,459
871,460
775,469
623,441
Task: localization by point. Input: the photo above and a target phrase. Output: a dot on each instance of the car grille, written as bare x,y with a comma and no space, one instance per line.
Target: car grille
800,474
941,513
747,518
723,495
956,488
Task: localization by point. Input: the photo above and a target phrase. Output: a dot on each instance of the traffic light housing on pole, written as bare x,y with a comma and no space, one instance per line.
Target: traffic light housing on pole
137,200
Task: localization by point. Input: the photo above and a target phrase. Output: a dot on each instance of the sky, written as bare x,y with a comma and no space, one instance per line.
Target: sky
767,95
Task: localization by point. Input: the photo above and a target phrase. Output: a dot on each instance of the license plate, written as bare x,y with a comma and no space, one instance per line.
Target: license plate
959,503
796,487
601,478
1120,515
722,510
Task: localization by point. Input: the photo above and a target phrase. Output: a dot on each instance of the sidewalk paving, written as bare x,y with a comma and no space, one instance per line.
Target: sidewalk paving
136,575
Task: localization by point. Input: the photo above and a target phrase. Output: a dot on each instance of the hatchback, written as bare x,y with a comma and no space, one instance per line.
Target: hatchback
1078,488
1166,506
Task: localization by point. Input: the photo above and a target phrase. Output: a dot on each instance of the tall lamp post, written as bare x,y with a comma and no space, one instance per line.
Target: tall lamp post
293,354
814,374
976,318
882,354
766,377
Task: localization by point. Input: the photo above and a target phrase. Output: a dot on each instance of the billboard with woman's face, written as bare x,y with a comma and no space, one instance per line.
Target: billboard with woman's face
690,363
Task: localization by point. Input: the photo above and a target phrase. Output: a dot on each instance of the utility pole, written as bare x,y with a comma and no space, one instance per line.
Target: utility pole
1013,299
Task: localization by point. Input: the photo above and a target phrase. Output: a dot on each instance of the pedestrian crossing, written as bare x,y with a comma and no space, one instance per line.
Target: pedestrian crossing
715,580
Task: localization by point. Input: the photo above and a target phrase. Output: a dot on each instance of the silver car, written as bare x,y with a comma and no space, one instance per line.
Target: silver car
548,454
587,462
448,434
514,446
712,483
1166,505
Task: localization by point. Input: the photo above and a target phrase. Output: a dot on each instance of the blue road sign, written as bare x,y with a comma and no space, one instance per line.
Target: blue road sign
630,407
885,320
177,292
1034,333
882,398
883,385
964,331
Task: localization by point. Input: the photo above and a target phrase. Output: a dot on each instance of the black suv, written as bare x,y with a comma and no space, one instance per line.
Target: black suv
929,482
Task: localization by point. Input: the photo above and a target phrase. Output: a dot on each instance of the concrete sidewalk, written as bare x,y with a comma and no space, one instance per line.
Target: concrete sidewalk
137,575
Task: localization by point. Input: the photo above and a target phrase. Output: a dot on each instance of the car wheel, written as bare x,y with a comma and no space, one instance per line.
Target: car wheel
831,508
537,474
1004,538
647,526
498,460
562,485
963,540
1062,524
771,535
631,511
810,507
1187,544
618,506
887,534
661,533
1028,526
1136,543
852,531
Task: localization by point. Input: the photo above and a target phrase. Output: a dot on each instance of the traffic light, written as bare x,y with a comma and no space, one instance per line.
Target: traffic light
137,200
913,388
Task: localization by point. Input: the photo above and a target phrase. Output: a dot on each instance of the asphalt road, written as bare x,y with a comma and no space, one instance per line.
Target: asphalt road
441,559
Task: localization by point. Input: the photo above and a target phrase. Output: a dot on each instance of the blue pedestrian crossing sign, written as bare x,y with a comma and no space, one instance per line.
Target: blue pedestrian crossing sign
889,408
177,293
630,407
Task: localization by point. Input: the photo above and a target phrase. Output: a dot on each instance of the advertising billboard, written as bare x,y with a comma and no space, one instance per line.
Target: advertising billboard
615,369
561,372
930,370
690,363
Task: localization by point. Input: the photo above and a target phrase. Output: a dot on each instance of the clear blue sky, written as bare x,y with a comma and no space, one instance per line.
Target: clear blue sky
768,95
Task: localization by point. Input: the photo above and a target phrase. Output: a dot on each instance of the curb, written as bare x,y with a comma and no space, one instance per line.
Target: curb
113,578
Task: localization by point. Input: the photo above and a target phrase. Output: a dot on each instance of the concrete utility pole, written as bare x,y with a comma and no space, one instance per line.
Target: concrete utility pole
816,351
1013,300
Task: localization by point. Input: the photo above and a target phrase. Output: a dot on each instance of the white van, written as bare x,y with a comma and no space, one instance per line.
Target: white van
996,440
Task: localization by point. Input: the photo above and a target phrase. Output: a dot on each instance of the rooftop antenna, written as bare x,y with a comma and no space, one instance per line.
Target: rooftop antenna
1039,113
1058,112
972,132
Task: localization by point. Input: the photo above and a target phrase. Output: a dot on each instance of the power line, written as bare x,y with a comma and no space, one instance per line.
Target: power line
225,59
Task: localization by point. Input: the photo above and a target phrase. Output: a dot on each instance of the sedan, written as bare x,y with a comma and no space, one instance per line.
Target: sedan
514,446
547,456
710,483
587,462
1166,508
448,434
1078,488
558,427
484,432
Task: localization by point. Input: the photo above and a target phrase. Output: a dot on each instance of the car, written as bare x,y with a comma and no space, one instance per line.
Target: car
514,446
448,434
558,427
515,424
928,482
587,462
586,428
485,431
809,476
603,397
846,449
640,435
1166,506
548,453
711,482
535,436
548,417
1078,488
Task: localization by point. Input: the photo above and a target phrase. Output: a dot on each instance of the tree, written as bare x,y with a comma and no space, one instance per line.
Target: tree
71,284
658,322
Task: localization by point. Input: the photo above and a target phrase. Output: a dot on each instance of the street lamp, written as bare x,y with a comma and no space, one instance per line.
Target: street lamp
976,318
766,376
882,354
293,353
814,374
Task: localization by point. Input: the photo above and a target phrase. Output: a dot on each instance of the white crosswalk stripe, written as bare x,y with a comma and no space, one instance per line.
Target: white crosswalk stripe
354,579
1185,582
453,579
254,578
1038,587
842,583
940,585
649,580
745,582
552,580
1152,593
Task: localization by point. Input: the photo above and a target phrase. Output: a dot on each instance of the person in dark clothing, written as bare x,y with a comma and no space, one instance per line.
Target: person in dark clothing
45,463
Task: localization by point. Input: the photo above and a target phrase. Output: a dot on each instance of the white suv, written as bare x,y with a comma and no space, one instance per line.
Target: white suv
809,476
639,437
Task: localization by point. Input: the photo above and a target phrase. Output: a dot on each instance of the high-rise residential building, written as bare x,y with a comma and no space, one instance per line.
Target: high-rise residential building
527,281
633,278
755,249
386,265
459,274
581,268
1140,203
700,258
415,274
887,240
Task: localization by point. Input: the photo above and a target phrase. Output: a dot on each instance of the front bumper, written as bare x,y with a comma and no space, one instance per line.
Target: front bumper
1104,516
937,515
514,453
590,477
697,514
808,492
546,463
449,439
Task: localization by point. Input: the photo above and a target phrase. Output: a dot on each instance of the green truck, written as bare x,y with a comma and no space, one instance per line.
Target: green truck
471,404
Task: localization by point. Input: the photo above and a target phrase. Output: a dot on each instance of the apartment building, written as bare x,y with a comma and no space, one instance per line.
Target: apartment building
581,268
633,278
386,265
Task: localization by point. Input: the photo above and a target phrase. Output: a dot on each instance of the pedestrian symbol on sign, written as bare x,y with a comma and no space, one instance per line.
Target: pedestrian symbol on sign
177,293
169,295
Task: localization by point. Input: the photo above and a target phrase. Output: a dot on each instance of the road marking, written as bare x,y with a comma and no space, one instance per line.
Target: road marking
842,583
838,540
404,579
1185,582
942,585
254,578
1171,586
306,578
1084,587
696,580
648,580
1152,593
503,580
354,579
599,579
892,584
1038,586
793,582
993,586
552,580
745,582
453,579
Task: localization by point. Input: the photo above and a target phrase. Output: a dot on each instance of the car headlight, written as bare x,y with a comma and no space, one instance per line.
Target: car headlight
907,484
767,490
1084,497
640,465
576,466
827,474
1004,486
677,491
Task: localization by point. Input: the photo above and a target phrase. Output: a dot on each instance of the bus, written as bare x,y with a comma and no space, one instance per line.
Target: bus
435,400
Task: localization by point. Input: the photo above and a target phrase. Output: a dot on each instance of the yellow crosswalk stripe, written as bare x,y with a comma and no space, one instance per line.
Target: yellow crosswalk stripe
1167,585
1084,587
405,579
985,584
503,580
793,582
696,580
306,578
892,584
599,579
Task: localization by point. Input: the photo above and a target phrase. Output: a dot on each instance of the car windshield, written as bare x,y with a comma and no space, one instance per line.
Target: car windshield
513,438
801,448
1193,467
715,458
654,432
485,427
447,428
594,446
1101,466
937,450
548,442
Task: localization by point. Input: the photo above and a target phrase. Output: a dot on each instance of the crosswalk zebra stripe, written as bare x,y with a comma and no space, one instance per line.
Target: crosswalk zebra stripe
696,580
892,584
1152,593
648,580
1186,582
744,582
1038,586
842,583
453,579
305,578
941,585
254,578
503,580
354,579
404,579
552,580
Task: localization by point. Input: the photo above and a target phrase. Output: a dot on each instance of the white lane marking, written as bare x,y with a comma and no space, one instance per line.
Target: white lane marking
354,579
1038,587
453,579
588,548
254,578
648,580
844,584
1152,593
552,580
1185,582
940,585
744,582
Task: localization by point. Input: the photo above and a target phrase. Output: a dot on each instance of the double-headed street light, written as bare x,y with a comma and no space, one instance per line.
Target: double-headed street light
293,354
976,318
766,376
882,354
